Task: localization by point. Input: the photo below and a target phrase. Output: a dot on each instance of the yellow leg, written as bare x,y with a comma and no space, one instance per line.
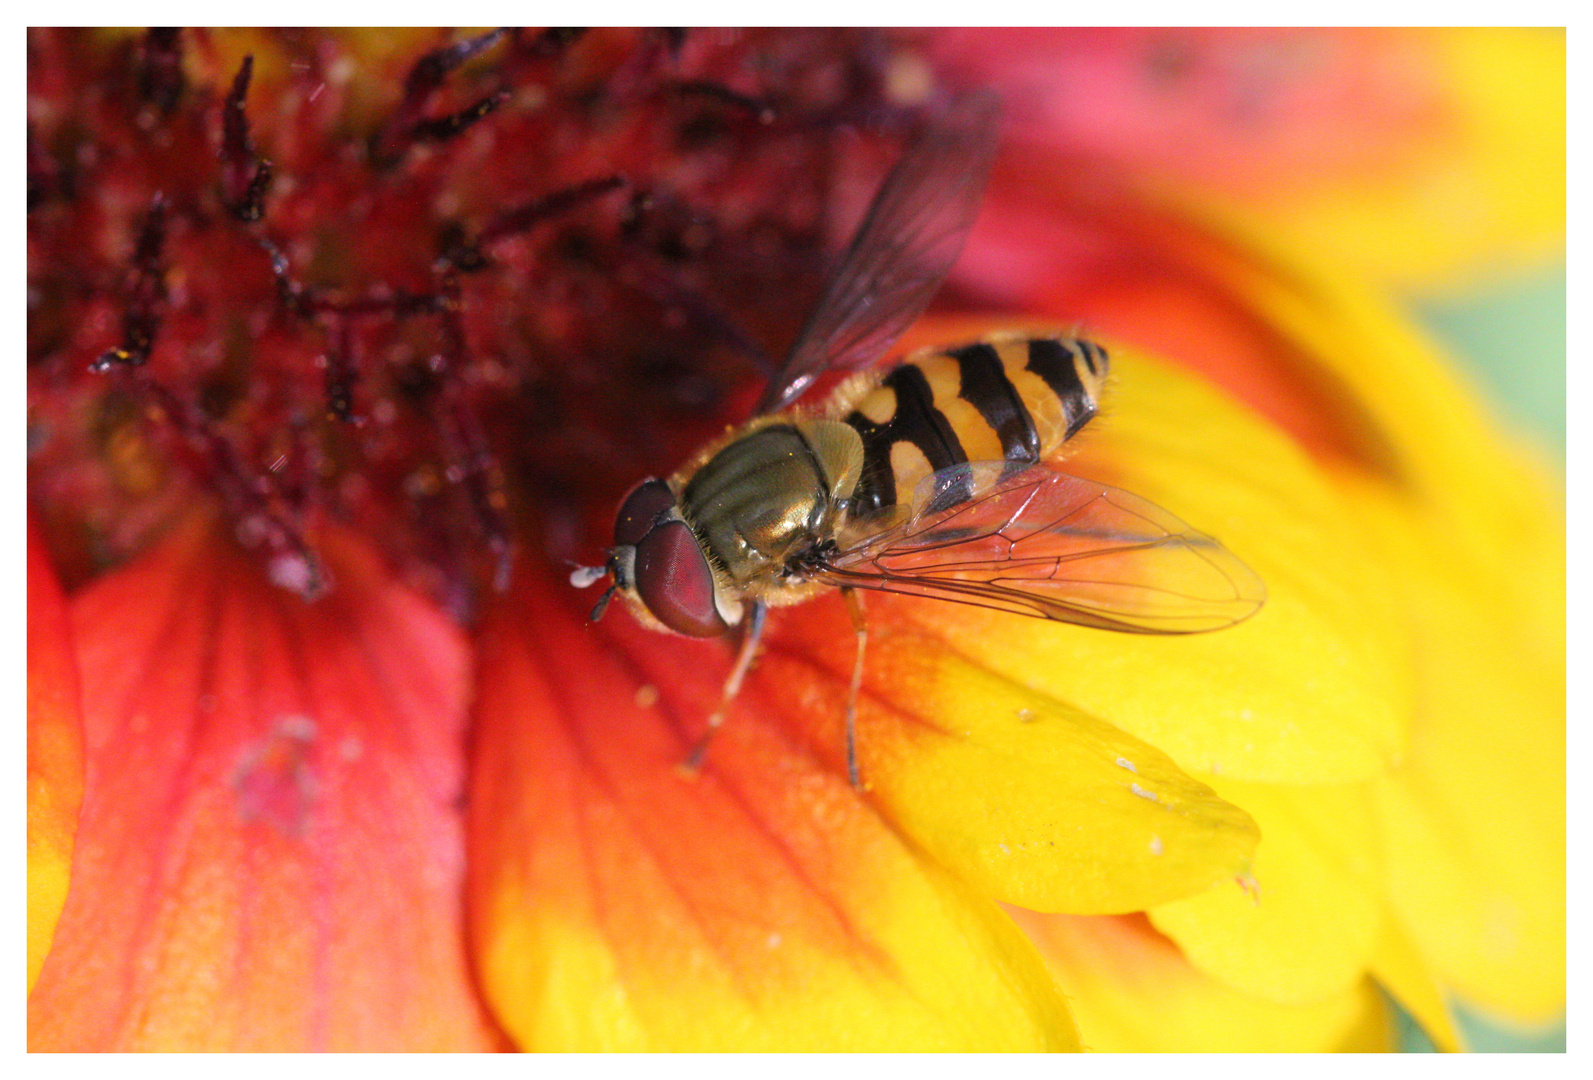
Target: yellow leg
751,634
854,607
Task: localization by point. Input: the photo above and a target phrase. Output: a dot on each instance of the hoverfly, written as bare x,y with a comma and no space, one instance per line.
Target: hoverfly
926,479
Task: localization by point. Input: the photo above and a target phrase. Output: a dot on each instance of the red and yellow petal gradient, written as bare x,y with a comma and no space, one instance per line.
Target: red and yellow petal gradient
1416,157
1456,538
269,855
759,905
1470,530
55,752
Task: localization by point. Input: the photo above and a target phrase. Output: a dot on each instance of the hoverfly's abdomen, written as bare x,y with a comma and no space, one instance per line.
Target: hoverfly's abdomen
1010,399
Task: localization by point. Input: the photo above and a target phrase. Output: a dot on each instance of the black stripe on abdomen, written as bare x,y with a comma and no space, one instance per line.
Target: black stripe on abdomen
985,386
1055,364
917,421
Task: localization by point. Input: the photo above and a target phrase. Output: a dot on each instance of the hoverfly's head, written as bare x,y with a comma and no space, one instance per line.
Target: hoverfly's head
658,564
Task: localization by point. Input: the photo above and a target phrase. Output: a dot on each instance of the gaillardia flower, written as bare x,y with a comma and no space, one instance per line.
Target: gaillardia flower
343,349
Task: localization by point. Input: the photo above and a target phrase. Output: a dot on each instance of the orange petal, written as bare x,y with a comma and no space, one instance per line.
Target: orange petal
55,752
1132,991
270,851
760,905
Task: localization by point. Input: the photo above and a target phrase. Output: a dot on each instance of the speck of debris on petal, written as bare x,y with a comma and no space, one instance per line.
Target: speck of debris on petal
1124,763
1142,793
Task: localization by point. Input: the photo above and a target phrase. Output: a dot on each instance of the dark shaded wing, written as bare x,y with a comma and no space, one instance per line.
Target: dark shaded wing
1042,543
902,251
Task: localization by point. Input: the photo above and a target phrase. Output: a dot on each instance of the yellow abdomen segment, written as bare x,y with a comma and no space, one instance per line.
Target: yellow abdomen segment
1014,399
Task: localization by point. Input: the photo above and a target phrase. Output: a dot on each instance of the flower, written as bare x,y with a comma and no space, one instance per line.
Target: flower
385,324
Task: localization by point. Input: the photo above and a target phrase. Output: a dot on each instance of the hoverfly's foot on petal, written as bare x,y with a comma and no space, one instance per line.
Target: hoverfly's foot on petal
691,765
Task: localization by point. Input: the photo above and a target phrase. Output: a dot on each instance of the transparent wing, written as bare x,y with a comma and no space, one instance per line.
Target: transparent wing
903,250
1039,542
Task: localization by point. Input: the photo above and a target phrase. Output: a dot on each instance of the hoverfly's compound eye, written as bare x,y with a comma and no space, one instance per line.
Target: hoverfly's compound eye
674,580
639,510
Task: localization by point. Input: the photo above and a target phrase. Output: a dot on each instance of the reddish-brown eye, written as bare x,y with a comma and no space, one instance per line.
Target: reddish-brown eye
639,510
675,582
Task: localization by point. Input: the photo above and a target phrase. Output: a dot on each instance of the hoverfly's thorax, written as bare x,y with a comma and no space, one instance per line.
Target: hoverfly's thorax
769,493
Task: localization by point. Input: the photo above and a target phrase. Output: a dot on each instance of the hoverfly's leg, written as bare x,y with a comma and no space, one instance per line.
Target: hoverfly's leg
751,634
854,608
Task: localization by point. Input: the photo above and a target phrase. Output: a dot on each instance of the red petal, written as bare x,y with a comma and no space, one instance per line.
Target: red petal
1256,113
55,751
270,852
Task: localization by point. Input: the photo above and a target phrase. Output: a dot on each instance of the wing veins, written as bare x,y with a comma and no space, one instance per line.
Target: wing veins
906,244
1155,574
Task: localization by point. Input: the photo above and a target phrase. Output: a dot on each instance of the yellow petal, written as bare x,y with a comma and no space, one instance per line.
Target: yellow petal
1475,815
1315,881
1406,974
1132,991
1031,799
1472,536
762,905
1418,428
1306,691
